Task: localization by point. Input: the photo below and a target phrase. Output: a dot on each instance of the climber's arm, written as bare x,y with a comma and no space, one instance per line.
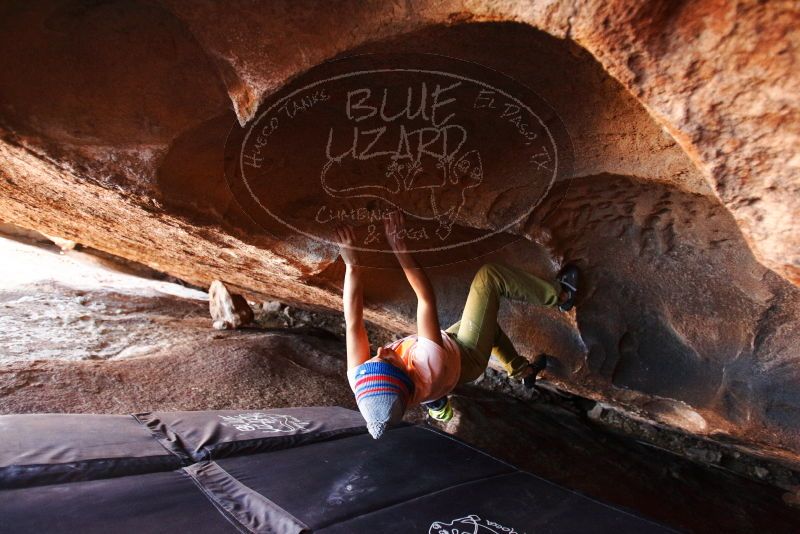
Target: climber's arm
355,333
427,315
353,300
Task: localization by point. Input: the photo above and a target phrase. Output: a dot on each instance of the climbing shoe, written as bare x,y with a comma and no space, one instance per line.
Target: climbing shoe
440,410
568,280
538,365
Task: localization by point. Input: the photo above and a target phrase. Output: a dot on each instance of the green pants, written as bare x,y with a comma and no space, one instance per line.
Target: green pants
478,334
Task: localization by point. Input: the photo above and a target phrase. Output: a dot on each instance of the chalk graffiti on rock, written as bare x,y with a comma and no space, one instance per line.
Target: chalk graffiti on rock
410,155
464,158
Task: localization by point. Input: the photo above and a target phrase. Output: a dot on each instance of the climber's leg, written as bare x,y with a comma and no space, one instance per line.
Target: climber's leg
477,332
507,355
502,349
472,364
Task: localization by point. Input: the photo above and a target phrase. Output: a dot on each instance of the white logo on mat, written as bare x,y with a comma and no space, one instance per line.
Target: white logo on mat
266,422
472,524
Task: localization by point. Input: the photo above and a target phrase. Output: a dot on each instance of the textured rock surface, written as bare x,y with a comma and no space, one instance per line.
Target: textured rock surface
77,337
677,309
238,369
113,119
718,75
74,305
142,345
227,310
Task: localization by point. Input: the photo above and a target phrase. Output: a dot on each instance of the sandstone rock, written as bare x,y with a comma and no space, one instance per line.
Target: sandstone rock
77,337
683,118
737,119
238,370
63,244
61,306
227,310
65,307
271,306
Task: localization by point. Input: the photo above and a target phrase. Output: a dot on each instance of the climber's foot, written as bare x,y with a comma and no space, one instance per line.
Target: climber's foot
568,280
440,410
538,365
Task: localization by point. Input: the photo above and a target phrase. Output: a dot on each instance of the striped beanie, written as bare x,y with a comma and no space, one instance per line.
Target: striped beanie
382,393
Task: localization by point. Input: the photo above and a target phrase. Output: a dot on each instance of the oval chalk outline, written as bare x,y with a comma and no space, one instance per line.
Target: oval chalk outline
423,71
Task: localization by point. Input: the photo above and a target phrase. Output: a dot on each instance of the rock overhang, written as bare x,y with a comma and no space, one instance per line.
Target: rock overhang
127,163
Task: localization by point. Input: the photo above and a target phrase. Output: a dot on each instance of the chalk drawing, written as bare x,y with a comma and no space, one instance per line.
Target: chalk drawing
471,524
437,144
433,157
265,422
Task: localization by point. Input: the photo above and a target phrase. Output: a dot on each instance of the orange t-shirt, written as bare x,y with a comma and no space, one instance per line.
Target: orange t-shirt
433,369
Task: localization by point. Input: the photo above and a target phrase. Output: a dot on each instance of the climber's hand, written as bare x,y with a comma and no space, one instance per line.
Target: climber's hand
395,227
346,238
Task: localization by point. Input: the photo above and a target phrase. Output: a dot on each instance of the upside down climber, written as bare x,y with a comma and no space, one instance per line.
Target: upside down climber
425,367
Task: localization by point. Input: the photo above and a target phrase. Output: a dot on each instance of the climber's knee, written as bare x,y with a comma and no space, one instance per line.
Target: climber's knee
487,276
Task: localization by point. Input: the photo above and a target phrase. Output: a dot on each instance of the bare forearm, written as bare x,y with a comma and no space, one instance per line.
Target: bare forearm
427,316
353,297
356,339
417,278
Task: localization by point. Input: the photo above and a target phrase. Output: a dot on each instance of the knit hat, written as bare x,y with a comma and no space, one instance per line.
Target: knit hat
382,393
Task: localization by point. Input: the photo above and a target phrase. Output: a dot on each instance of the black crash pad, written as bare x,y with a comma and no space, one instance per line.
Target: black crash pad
335,480
167,502
512,503
276,471
50,448
222,433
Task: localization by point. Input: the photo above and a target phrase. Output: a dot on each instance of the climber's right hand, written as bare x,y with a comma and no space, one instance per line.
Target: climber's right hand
346,238
395,227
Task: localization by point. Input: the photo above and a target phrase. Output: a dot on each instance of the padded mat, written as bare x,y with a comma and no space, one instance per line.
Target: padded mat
167,502
50,448
514,503
218,434
332,481
284,471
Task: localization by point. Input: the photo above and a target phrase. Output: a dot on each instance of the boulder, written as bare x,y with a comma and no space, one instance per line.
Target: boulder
680,203
227,310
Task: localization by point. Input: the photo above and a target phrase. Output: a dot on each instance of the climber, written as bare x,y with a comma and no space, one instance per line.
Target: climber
424,368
